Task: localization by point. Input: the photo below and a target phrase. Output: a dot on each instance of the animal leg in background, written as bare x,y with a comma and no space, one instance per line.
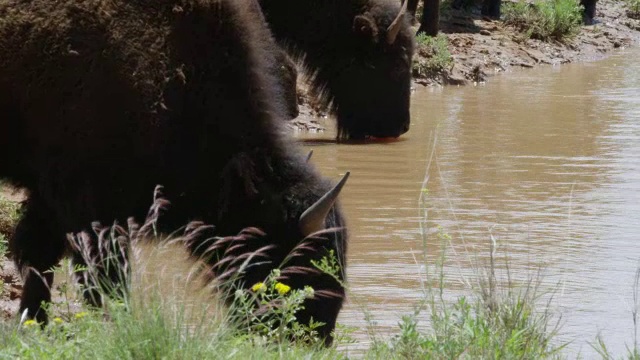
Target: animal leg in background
36,246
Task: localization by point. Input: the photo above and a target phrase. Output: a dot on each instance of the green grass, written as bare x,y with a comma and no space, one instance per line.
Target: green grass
633,9
168,314
9,214
433,56
156,323
498,320
633,352
546,19
153,331
4,247
164,317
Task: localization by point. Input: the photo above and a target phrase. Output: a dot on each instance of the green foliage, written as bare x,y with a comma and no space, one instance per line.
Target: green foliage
154,331
261,323
4,246
329,265
150,324
546,19
633,352
432,55
633,10
507,327
9,215
268,309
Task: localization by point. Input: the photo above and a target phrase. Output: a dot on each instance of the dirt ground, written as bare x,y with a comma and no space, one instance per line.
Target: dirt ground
10,284
480,49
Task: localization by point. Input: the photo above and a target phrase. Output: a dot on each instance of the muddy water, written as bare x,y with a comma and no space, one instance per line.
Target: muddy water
544,162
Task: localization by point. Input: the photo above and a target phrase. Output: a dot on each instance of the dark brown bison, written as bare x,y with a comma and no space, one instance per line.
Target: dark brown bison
284,68
359,54
101,100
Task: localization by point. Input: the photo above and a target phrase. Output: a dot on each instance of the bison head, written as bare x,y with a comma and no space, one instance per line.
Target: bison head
371,88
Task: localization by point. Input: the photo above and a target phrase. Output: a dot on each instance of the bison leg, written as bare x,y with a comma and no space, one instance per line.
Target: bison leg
36,247
412,7
491,8
589,12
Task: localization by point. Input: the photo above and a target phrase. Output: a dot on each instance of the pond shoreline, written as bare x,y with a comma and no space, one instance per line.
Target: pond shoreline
483,48
480,49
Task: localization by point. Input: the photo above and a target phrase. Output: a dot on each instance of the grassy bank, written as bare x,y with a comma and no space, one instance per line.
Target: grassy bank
529,34
169,315
9,213
546,20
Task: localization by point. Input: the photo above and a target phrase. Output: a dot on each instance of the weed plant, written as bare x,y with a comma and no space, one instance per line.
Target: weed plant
545,20
165,312
9,215
433,55
140,320
633,352
633,9
498,320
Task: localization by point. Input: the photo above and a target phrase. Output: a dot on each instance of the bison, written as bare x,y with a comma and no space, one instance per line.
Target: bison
359,53
102,100
284,68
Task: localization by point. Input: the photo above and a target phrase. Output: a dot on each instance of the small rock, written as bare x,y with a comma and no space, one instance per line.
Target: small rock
485,32
534,54
455,79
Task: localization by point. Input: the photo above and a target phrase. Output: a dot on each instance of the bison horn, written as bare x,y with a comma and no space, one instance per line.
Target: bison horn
394,28
309,156
312,219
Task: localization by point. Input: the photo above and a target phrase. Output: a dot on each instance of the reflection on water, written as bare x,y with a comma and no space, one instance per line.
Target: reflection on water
546,161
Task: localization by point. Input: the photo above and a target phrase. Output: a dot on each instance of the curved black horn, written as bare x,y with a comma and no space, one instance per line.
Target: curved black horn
394,28
309,156
312,219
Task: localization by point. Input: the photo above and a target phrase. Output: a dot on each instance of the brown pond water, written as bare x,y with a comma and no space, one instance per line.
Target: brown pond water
546,161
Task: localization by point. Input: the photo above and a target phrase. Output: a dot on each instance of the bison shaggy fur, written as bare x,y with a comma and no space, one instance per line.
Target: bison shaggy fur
102,100
359,69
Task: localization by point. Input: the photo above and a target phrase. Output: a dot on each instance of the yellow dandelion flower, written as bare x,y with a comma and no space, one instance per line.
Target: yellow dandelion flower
80,315
259,286
29,323
58,320
282,289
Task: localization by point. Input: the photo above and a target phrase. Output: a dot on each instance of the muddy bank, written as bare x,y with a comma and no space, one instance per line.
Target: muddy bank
10,283
11,290
482,48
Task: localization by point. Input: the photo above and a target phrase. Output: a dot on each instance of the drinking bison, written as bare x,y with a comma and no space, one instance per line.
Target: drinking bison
359,52
101,100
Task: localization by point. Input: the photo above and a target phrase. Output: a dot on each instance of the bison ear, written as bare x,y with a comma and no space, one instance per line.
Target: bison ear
365,26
